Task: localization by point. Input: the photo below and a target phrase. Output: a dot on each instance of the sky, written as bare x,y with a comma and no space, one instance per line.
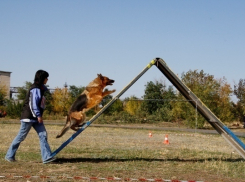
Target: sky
76,40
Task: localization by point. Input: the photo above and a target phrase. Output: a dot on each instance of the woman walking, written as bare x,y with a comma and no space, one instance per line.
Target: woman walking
31,116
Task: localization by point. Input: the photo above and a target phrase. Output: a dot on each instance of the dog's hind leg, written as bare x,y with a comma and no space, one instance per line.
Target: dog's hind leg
63,131
77,121
74,125
65,128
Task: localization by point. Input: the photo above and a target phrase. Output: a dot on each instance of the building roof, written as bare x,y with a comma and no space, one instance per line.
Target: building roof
5,71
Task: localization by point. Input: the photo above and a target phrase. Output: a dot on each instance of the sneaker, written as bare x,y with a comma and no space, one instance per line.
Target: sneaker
10,160
49,160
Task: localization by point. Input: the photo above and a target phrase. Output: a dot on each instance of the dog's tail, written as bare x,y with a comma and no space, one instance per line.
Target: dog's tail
66,127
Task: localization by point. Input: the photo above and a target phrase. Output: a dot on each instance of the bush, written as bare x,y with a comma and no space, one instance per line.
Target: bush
195,122
165,114
13,109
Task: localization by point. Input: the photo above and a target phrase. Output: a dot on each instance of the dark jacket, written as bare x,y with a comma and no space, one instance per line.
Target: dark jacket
32,108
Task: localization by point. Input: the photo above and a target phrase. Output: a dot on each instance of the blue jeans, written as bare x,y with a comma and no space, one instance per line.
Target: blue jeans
24,130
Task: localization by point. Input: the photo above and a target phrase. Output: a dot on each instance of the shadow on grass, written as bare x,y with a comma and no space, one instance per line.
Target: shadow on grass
98,160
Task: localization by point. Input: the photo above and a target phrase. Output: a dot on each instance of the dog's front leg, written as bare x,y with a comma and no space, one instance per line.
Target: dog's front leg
108,92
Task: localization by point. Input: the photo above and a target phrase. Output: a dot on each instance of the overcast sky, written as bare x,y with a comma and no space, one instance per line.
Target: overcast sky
75,40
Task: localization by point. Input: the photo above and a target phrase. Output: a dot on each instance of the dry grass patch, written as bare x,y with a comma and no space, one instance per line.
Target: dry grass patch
125,153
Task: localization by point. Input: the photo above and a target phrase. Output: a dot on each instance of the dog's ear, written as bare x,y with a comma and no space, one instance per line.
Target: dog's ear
100,76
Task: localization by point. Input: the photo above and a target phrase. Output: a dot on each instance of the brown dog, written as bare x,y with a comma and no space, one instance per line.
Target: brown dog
91,96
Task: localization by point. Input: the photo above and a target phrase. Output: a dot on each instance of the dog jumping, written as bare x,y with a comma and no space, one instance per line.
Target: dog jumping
90,97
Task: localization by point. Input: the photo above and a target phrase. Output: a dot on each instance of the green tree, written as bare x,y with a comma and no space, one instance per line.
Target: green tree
214,93
153,92
169,97
22,91
239,92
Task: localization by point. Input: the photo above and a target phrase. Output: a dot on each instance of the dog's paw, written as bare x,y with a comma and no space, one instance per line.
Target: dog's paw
58,136
113,91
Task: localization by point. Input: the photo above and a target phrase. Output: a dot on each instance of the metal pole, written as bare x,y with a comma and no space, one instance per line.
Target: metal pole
196,117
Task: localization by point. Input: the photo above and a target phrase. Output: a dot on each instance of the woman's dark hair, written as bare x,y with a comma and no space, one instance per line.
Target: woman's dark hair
40,76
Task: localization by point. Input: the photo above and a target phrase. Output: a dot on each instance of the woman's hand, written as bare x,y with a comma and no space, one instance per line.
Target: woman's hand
40,119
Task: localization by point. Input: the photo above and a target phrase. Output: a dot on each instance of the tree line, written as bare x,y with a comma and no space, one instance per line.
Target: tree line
160,102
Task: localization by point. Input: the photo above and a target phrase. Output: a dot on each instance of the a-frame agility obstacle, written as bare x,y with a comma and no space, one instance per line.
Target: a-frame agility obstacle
225,132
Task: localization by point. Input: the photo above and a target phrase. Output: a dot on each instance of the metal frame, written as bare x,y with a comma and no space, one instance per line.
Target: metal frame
214,121
227,134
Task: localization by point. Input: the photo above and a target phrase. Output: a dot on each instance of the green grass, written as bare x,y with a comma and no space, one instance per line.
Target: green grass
124,153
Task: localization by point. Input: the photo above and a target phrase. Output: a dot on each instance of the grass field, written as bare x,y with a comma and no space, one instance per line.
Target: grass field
123,153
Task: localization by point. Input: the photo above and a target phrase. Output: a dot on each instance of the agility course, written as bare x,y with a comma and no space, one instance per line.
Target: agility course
223,130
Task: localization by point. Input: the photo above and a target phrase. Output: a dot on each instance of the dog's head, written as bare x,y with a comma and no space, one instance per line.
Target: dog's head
105,80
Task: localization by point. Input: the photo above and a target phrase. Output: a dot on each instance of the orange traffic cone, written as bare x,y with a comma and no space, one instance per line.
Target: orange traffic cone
150,134
166,140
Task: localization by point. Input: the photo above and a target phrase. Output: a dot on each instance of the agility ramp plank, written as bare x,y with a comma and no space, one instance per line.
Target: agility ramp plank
214,121
103,109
